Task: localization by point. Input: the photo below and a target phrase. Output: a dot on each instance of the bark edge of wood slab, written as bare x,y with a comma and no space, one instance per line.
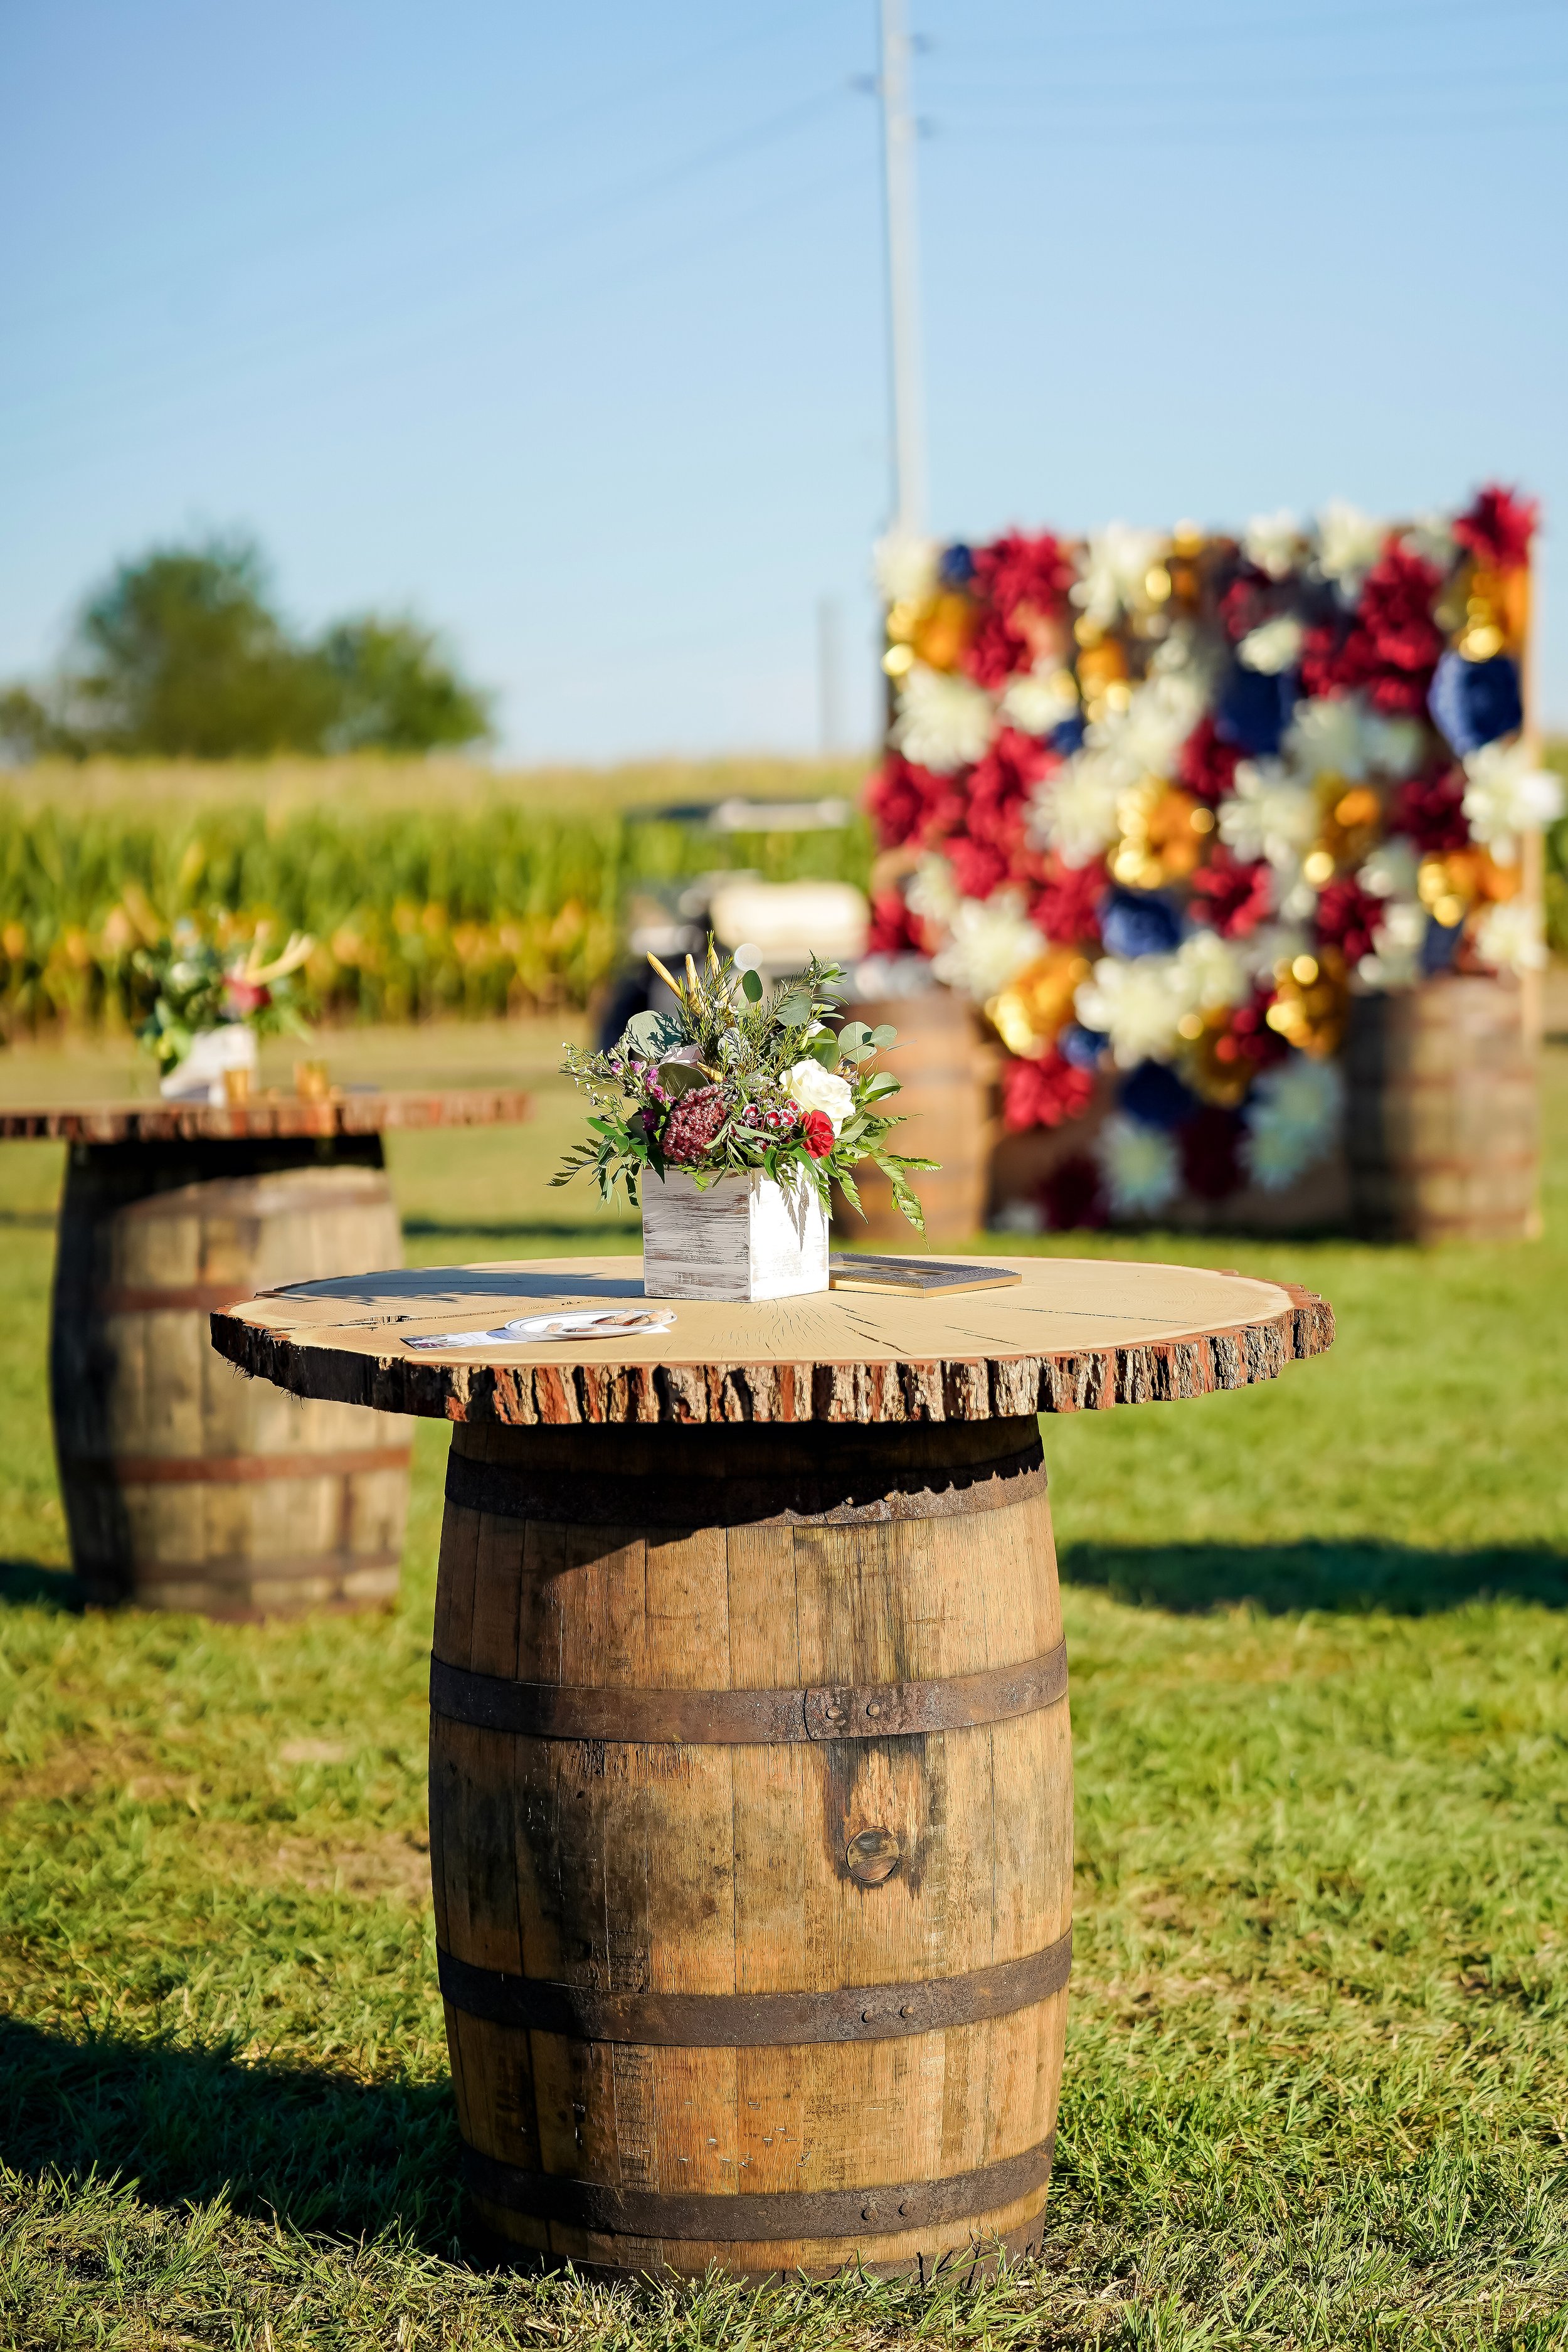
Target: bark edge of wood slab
1122,1333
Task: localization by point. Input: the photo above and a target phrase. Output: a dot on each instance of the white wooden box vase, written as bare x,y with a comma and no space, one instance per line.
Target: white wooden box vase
742,1237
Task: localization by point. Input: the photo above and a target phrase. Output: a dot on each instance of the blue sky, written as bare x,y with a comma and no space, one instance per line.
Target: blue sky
565,328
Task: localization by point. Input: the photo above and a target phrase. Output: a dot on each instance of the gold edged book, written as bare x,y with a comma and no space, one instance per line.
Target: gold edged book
916,1277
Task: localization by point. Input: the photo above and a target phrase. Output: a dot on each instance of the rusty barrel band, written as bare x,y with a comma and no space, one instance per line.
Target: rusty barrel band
785,1499
745,1719
889,2208
227,1469
755,2020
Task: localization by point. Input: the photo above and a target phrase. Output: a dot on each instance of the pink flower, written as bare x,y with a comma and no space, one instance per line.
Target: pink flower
241,998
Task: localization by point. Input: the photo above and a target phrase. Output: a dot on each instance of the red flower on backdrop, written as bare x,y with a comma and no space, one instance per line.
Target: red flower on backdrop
1497,530
816,1133
1012,572
1431,811
1392,644
1066,904
1347,917
1210,1158
1072,1195
1044,1093
1208,767
1247,1038
1251,598
1000,785
1231,896
978,867
908,804
892,929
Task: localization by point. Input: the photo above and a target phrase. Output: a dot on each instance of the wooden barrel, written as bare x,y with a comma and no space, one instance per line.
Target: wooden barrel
1442,1119
751,1821
185,1487
940,1065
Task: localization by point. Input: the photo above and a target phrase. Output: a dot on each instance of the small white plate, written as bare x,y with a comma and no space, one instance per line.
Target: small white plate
581,1323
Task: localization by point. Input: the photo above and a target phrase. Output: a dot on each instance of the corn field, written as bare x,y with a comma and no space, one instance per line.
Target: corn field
471,912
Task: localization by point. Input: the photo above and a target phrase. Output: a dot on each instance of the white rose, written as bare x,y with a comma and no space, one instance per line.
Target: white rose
814,1089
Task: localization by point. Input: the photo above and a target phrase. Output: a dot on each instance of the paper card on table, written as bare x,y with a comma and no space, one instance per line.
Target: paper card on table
589,1323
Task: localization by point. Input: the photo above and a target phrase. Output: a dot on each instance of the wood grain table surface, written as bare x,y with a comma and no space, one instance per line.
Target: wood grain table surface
1074,1334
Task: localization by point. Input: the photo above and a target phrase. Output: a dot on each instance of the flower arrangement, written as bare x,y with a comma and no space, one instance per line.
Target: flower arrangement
197,990
1161,804
734,1081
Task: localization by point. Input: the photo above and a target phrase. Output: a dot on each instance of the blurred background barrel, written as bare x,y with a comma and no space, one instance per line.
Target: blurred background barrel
185,1485
941,1065
1442,1120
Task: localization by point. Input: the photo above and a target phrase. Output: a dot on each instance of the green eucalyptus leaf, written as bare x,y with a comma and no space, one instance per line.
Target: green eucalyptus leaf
882,1036
752,987
650,1035
854,1033
794,1012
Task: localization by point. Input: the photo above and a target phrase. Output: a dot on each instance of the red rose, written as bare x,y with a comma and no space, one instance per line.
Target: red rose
1393,643
1499,528
817,1134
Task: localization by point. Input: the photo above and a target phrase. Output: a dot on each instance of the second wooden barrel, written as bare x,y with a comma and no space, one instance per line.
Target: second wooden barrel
1442,1119
185,1485
939,1064
751,1819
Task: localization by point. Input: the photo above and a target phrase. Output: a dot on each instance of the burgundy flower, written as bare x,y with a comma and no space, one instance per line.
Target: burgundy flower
1431,811
1072,1196
1232,897
816,1133
1208,767
1347,917
1042,1093
1499,528
693,1123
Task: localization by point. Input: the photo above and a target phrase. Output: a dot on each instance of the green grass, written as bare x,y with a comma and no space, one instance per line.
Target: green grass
1315,2092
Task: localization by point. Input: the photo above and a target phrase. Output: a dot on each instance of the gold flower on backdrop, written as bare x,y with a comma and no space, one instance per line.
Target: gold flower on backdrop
1312,1003
1036,1004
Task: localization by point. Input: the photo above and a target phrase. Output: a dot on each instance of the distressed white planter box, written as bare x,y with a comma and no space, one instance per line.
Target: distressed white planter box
744,1237
199,1077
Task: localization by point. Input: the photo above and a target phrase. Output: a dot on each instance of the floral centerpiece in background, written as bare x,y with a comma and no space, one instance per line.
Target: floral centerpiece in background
209,1006
728,1121
1161,803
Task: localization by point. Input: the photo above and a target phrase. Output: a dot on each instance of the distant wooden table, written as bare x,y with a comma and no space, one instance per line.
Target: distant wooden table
184,1488
751,1796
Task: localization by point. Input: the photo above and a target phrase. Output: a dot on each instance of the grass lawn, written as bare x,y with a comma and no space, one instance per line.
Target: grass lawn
1316,2091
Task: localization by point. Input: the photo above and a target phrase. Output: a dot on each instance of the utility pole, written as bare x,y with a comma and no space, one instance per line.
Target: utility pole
899,133
829,676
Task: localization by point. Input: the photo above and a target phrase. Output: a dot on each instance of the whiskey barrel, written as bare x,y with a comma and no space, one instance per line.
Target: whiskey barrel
940,1065
185,1487
751,1822
1442,1120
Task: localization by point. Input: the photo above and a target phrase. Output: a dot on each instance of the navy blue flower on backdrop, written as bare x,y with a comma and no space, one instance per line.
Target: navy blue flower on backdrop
1139,923
1067,738
955,568
1084,1048
1474,702
1155,1096
1254,710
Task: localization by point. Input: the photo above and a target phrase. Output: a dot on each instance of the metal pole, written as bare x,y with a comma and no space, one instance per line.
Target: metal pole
903,272
829,680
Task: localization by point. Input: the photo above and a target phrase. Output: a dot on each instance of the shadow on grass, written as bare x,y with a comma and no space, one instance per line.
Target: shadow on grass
1347,1577
319,2150
584,1240
28,1584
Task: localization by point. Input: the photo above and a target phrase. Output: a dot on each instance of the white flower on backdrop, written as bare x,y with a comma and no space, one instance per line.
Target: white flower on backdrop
1340,736
1395,958
905,567
1036,703
1268,950
933,895
1349,544
1148,736
1292,1120
1509,937
1211,973
1273,645
944,723
1273,541
1389,871
1505,795
1074,811
989,941
1269,816
1138,1003
1115,571
1137,1165
1431,536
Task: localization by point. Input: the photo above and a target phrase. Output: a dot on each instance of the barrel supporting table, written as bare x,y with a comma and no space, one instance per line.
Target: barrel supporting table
750,1799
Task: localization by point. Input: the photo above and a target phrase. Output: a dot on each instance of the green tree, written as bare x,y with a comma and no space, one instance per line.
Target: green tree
182,654
395,691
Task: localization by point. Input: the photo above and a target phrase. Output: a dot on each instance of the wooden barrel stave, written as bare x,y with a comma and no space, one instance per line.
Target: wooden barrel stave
940,1067
681,1869
185,1488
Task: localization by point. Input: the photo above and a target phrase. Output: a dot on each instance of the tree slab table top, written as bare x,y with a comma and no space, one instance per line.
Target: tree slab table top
1075,1334
263,1117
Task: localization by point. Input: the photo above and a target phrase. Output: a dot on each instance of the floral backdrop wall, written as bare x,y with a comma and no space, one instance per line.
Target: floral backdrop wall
1161,803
